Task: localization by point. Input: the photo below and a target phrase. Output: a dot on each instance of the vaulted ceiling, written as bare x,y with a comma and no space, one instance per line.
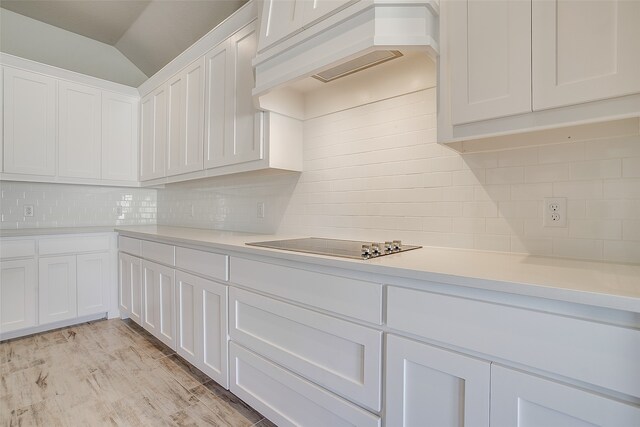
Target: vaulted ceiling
150,33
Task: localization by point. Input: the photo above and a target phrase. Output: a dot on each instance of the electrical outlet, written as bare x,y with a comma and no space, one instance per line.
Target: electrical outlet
119,212
28,210
554,212
260,209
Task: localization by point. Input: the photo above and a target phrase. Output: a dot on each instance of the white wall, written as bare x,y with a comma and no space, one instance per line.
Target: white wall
58,205
375,172
27,38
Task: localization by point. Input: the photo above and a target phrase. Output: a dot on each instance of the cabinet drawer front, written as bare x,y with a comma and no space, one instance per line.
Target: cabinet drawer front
17,248
332,293
159,252
64,245
206,263
287,399
519,399
563,345
130,246
309,343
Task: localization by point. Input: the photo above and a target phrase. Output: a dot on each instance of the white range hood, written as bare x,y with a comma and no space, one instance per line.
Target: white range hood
365,33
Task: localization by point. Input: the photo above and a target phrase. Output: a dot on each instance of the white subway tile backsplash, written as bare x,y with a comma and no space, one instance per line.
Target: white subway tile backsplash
505,175
631,167
611,168
596,229
376,172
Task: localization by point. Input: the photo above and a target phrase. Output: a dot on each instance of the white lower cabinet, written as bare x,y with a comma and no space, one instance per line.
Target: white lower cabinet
158,297
287,399
57,289
523,400
130,300
201,325
93,278
429,386
341,356
18,295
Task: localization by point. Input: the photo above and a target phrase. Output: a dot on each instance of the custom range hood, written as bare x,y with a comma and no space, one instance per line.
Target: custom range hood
361,35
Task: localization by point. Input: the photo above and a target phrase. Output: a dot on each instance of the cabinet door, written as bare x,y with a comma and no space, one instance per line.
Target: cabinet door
119,137
201,316
243,139
158,301
153,134
131,287
317,9
29,123
523,400
18,295
186,120
584,51
57,289
217,71
278,19
79,130
489,58
93,282
430,386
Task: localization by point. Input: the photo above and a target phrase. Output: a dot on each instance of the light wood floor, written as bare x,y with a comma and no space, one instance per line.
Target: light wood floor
109,372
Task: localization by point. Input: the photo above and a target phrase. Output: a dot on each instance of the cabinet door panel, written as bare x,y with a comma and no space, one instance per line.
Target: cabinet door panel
217,64
18,295
124,270
431,386
185,120
136,290
279,19
584,51
188,318
93,283
29,123
153,134
119,137
523,400
159,296
490,58
79,131
57,289
243,140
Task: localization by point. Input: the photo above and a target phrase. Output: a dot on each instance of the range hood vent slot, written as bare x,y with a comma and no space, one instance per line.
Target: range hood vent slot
358,64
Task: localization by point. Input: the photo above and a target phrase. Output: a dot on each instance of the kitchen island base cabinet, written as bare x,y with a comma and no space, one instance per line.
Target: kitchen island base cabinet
18,295
201,325
158,296
130,287
287,399
523,400
429,386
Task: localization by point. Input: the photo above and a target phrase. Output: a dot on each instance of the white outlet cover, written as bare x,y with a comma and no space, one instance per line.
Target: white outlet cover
28,210
554,212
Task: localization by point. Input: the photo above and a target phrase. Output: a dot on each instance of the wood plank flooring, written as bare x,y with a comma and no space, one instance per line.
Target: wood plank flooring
110,373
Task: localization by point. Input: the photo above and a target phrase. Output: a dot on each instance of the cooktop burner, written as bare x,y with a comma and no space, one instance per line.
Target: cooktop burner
341,248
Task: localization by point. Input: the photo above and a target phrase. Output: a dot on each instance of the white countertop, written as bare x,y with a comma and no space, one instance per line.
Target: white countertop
586,282
23,232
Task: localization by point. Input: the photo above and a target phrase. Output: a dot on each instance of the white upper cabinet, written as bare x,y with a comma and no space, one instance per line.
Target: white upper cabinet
233,125
281,18
490,61
584,51
79,130
278,19
29,123
119,137
153,134
185,93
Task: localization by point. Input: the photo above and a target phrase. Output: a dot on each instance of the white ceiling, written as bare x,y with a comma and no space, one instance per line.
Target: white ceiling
150,33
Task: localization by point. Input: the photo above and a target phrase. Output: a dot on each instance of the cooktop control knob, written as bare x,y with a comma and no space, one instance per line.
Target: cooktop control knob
397,245
388,246
365,252
375,249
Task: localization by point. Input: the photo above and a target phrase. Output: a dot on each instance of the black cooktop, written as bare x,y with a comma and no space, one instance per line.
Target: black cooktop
341,248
